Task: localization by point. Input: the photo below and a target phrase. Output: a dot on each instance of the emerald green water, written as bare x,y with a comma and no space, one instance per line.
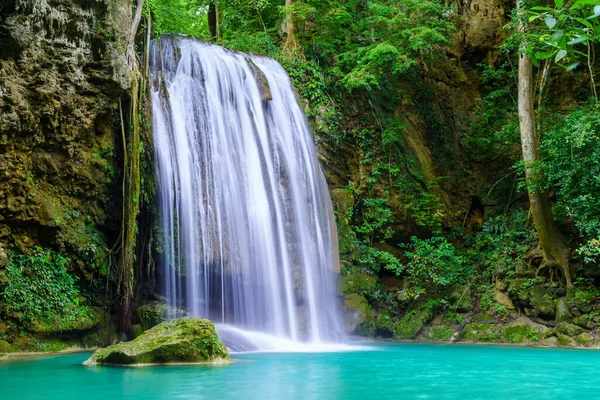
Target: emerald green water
398,371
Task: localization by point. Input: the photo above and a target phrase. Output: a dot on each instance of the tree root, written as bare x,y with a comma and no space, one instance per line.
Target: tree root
554,271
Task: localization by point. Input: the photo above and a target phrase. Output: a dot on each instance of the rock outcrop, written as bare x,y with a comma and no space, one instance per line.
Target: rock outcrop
183,340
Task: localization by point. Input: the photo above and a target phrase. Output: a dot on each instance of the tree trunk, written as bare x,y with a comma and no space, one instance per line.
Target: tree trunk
291,45
212,20
131,180
219,33
552,243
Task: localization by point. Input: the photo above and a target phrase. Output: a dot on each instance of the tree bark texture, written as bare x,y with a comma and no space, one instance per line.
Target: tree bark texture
212,20
554,249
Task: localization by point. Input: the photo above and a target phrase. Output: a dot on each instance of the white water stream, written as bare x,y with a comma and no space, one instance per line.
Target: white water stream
248,234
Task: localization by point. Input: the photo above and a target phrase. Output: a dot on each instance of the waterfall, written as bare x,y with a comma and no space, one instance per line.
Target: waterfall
247,232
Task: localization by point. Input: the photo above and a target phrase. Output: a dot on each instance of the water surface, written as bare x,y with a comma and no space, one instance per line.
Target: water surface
398,371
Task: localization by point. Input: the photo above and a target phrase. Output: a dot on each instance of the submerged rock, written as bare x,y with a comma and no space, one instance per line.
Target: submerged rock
183,340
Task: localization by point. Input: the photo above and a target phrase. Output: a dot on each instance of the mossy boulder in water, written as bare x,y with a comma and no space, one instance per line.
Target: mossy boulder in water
183,340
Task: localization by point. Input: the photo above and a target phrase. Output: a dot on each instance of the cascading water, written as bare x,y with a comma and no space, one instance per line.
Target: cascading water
249,239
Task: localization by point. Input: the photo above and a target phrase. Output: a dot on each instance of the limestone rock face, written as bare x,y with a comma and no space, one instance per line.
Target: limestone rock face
483,22
183,340
62,71
503,299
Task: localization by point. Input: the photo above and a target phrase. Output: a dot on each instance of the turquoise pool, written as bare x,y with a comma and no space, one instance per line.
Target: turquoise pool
386,371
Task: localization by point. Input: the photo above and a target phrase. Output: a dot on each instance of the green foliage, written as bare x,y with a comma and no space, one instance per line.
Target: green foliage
495,129
408,33
571,152
38,286
435,265
500,245
563,32
186,17
376,220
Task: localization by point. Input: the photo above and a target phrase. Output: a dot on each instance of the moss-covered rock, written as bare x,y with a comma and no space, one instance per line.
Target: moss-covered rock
438,333
523,329
474,332
462,300
358,282
183,340
583,321
155,312
6,347
562,311
564,340
79,319
569,329
359,315
542,301
411,323
551,341
483,319
585,338
384,322
582,302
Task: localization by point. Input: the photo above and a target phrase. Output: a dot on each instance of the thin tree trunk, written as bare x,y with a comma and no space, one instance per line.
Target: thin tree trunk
219,33
131,181
131,58
291,44
212,20
553,245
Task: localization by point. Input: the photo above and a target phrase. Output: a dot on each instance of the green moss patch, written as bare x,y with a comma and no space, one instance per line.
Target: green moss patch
438,333
486,333
183,340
